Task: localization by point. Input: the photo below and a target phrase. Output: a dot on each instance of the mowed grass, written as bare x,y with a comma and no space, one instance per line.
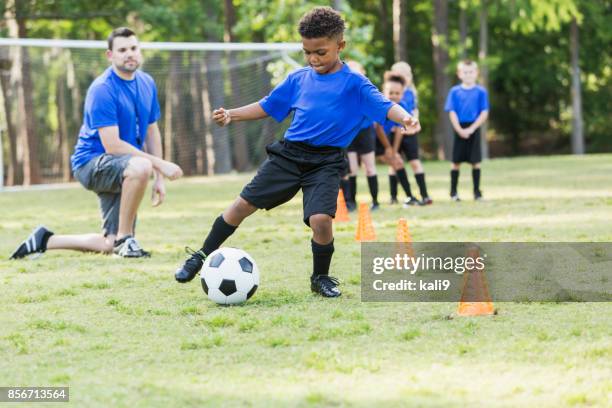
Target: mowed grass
124,333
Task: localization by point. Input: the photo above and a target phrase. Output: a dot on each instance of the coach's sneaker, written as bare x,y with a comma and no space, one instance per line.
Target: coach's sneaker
325,285
36,243
478,195
455,198
128,247
191,267
411,201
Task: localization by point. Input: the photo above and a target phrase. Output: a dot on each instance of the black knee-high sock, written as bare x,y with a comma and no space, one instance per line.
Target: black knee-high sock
321,257
353,184
476,179
346,189
393,186
220,231
420,179
403,180
373,185
454,181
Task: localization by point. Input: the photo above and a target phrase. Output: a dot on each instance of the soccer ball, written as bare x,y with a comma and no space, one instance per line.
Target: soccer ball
229,276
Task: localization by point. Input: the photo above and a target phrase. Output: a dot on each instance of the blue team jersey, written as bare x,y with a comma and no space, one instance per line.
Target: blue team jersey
328,109
112,101
409,101
467,103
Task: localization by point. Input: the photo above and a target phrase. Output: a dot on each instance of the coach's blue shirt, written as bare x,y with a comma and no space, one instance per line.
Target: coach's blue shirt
409,101
467,103
328,109
112,101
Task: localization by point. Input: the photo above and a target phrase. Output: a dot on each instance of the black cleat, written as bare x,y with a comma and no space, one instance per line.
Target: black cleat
393,201
374,206
478,195
36,243
455,198
191,267
351,206
324,285
411,201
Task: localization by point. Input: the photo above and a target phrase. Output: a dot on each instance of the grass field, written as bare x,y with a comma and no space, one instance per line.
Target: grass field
123,333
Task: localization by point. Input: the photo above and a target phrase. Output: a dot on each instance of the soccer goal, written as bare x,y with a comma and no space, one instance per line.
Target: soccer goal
44,83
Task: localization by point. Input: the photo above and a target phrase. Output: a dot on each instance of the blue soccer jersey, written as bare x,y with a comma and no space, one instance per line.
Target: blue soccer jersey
467,103
113,101
328,109
409,101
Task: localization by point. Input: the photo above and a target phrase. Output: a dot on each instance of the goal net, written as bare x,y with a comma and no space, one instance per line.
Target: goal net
44,83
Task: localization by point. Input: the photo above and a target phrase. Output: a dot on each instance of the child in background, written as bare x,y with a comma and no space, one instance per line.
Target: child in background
409,144
468,107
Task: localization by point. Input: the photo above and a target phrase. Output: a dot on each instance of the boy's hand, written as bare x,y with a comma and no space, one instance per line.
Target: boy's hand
222,116
465,133
411,125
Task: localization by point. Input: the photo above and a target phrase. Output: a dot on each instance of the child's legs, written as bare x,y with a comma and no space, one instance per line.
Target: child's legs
369,161
475,165
353,163
455,166
238,211
322,230
417,166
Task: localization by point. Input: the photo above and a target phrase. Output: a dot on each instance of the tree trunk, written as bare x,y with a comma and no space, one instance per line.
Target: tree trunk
577,124
31,163
463,31
238,130
208,142
484,69
399,30
13,175
75,106
62,121
171,100
439,39
195,93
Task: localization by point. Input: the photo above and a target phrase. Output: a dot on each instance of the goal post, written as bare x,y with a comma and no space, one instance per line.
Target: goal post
45,81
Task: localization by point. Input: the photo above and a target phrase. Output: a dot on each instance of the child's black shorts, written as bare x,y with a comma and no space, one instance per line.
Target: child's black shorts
364,142
467,150
409,146
292,166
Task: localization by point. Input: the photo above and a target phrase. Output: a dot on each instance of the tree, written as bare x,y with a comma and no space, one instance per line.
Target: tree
439,40
577,125
399,30
484,69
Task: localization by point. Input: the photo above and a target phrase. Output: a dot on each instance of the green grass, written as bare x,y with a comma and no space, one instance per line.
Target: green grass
123,333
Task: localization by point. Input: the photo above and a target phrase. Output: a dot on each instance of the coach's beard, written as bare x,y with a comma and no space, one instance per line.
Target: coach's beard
128,68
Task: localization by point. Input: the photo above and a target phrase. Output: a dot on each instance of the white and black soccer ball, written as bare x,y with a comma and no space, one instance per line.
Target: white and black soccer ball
229,276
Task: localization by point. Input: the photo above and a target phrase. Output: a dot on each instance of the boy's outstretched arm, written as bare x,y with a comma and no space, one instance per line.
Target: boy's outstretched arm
248,112
399,115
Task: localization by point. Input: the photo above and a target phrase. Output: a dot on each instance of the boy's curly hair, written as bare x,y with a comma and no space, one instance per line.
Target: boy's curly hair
391,76
321,22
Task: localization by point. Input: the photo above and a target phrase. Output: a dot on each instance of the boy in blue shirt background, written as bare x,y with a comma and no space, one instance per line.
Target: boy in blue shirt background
329,103
468,107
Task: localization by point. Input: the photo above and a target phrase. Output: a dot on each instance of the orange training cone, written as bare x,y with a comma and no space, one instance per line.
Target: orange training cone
341,210
475,298
403,238
365,228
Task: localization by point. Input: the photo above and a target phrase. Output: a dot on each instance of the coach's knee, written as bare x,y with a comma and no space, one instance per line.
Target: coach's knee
139,168
321,225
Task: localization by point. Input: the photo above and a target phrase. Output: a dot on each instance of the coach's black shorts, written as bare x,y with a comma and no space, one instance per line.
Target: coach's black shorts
292,166
364,142
467,150
409,146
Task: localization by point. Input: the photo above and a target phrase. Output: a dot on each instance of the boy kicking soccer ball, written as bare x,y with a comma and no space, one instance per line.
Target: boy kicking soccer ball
328,102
